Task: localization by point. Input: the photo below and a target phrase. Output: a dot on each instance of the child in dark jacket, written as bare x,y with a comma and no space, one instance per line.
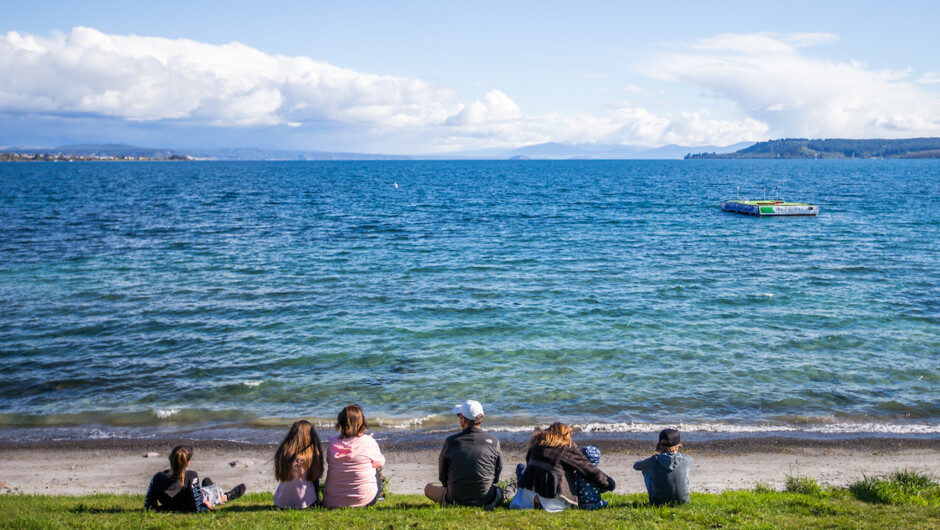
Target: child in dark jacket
666,473
589,497
177,489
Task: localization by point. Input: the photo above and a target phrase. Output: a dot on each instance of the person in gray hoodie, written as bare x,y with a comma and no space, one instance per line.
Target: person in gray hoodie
666,473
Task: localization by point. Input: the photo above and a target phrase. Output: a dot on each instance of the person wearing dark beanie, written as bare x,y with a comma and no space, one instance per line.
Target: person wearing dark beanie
666,473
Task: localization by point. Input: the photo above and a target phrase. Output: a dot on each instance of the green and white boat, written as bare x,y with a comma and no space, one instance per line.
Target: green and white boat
769,208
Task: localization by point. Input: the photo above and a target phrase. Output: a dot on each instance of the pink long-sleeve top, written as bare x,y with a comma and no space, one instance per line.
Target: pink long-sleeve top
297,492
350,477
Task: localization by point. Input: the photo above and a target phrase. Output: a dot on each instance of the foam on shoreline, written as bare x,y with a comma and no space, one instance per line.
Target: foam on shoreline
428,429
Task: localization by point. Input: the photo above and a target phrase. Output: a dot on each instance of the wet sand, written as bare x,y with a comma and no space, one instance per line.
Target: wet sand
125,466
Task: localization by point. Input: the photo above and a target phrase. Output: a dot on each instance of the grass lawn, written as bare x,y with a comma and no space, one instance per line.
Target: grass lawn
760,508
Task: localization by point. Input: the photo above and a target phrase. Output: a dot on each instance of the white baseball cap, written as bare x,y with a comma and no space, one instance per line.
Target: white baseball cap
470,409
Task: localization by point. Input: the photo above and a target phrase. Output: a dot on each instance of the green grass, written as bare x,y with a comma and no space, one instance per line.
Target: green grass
802,484
761,487
764,508
900,487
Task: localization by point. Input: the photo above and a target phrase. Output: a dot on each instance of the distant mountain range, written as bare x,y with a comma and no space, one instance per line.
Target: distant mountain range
546,151
613,152
834,148
786,148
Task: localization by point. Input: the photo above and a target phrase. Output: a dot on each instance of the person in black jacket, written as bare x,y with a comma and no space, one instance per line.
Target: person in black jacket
469,464
177,489
548,480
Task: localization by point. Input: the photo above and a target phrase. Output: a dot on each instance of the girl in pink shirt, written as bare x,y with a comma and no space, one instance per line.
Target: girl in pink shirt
354,459
298,466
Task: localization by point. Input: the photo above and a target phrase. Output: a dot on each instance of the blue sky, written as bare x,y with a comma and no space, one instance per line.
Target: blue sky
429,77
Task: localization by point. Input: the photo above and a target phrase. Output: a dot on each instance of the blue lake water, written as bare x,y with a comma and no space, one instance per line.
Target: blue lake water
611,294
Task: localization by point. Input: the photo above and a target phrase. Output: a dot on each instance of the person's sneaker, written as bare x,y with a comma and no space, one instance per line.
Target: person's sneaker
384,479
510,491
235,492
207,482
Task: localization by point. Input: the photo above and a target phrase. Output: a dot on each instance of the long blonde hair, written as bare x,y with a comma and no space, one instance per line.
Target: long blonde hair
303,443
179,457
556,435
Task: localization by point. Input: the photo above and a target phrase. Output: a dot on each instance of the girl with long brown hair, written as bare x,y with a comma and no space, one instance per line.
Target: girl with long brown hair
552,463
353,477
298,466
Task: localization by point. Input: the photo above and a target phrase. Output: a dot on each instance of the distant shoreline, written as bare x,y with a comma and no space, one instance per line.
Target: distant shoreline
788,148
838,149
44,157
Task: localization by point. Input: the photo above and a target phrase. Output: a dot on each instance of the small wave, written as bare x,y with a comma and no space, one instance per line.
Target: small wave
252,383
718,427
408,423
730,428
98,434
165,413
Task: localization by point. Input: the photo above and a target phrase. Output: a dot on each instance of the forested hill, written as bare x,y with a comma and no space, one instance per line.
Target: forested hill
835,148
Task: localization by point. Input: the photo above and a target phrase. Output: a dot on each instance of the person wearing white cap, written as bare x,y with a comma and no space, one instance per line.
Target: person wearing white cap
469,464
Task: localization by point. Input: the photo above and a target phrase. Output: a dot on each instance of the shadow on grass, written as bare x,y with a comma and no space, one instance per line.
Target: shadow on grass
635,504
409,506
245,508
406,506
81,508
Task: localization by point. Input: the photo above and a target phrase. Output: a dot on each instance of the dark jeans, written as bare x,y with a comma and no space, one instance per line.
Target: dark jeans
378,479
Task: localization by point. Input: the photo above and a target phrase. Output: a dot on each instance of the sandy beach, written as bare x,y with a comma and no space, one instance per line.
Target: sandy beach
125,466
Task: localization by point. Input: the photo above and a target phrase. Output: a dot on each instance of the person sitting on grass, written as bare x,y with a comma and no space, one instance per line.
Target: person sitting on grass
177,489
548,478
469,464
298,466
354,477
666,473
589,497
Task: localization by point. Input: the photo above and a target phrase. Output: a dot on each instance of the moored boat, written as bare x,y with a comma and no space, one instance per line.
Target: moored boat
772,208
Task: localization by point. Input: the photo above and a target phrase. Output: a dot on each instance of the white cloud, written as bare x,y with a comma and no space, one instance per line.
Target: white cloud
770,80
687,128
762,43
151,80
930,78
801,40
496,107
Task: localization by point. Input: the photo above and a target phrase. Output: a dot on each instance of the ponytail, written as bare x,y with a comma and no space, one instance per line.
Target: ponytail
179,457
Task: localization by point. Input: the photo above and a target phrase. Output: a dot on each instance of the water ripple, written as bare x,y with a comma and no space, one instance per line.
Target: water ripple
152,293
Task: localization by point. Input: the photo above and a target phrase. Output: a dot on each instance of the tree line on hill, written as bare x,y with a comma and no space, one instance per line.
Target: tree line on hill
834,148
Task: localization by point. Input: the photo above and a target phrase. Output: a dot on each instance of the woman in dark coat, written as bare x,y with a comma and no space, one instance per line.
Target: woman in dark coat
549,477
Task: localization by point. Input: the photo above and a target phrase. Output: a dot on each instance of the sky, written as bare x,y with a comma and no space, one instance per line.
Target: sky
416,77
